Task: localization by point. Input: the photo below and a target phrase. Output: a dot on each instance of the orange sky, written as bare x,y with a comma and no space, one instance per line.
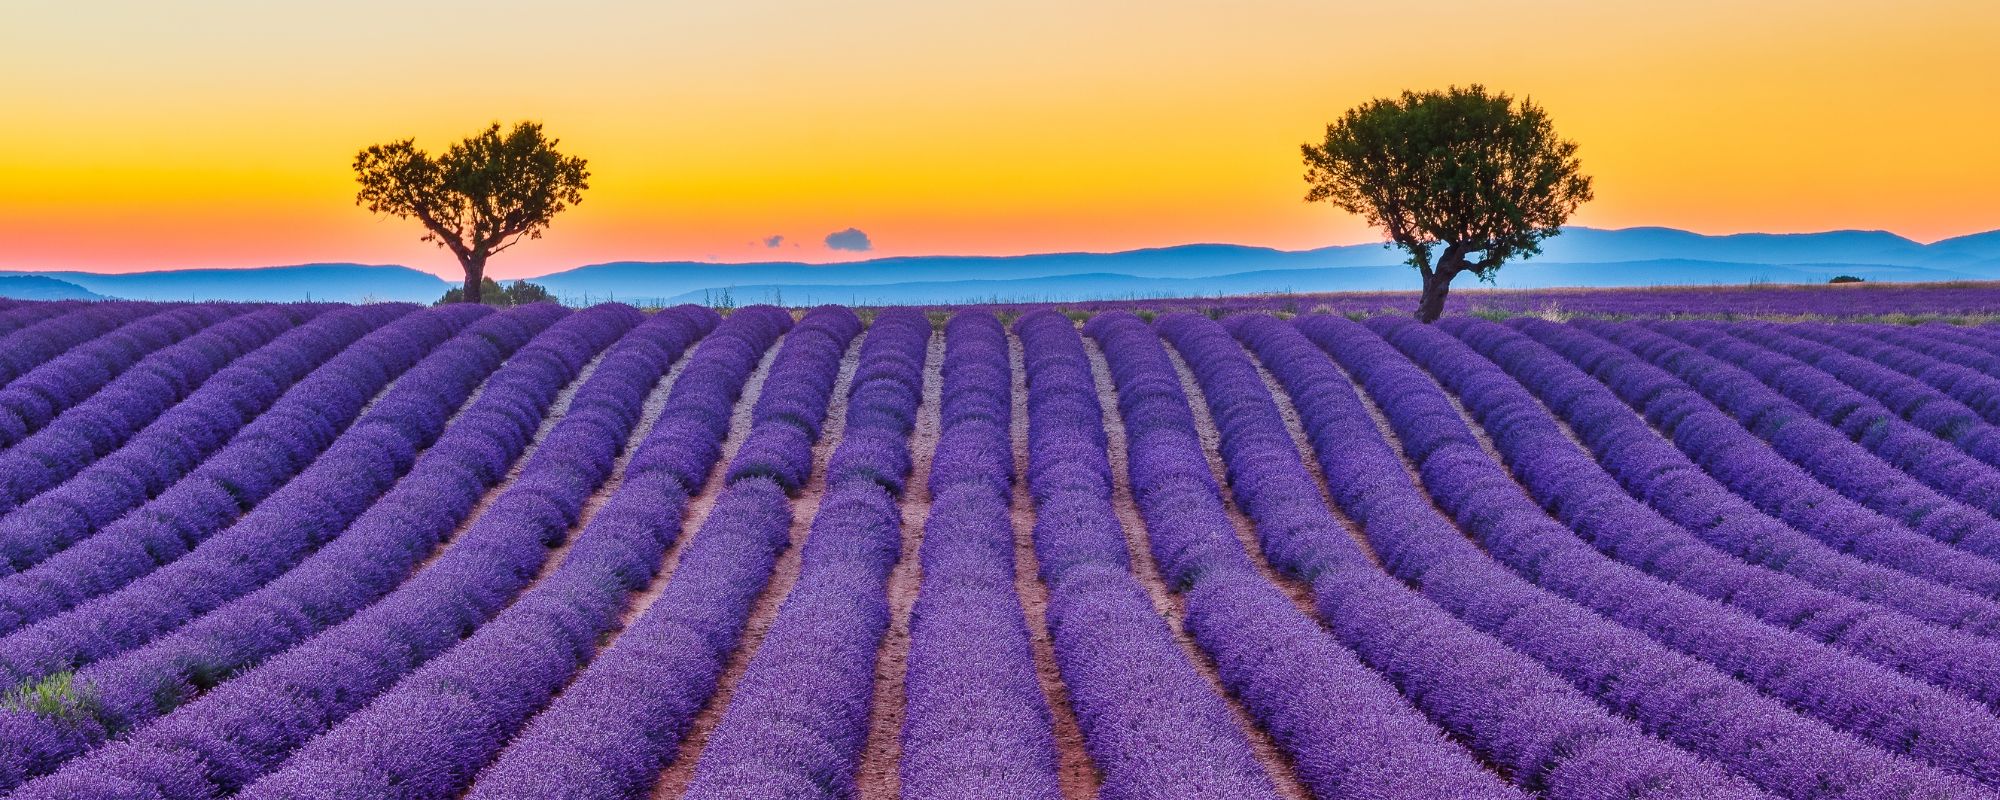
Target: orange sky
144,135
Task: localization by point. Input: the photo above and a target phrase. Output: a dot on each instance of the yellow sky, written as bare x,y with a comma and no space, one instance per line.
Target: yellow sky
138,135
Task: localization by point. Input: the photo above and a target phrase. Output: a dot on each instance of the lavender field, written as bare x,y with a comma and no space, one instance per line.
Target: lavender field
1739,544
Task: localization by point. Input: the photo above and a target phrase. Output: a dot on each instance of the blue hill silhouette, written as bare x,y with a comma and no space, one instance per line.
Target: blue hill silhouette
344,283
1580,257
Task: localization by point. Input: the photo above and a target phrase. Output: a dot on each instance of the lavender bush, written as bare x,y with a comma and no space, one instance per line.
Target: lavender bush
30,347
101,424
1151,724
257,460
1573,487
1285,669
489,561
468,700
30,401
799,715
1544,734
1870,701
1654,470
1765,476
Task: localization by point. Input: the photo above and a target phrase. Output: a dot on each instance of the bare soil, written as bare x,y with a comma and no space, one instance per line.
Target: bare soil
1396,443
1297,429
1388,433
557,408
1170,605
1246,531
878,776
1076,775
675,778
702,502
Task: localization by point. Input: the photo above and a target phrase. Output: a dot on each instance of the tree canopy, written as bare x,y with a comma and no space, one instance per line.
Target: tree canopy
483,195
1462,180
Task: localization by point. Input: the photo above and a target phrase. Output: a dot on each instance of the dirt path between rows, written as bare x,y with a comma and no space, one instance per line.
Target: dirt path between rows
675,778
1076,774
655,398
1246,531
1171,606
1395,443
557,408
878,776
703,502
1296,427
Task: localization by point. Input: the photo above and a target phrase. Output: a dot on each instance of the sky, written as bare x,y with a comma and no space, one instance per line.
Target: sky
220,133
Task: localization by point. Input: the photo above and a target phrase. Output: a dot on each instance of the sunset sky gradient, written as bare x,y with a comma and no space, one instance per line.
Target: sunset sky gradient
145,135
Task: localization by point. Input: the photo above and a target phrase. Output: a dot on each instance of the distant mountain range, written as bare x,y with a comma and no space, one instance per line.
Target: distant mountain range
345,283
1580,257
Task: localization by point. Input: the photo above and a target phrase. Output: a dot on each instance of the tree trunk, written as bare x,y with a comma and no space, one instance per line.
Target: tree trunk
475,275
1436,285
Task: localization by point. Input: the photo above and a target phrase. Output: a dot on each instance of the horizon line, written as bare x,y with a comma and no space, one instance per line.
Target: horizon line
865,259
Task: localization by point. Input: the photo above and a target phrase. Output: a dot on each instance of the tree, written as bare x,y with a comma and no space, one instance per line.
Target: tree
1462,180
482,196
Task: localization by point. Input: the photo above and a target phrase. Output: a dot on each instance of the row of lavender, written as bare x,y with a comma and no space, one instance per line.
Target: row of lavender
448,718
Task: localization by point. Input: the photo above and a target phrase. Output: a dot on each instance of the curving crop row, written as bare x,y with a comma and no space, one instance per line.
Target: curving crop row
975,720
257,460
1150,723
1577,387
99,425
1967,345
1631,673
366,560
1912,476
798,718
1344,727
247,725
1905,376
1939,356
448,718
40,394
120,692
144,596
102,490
1744,461
1927,383
789,414
30,347
1895,712
21,315
1574,488
1542,733
1901,378
609,733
